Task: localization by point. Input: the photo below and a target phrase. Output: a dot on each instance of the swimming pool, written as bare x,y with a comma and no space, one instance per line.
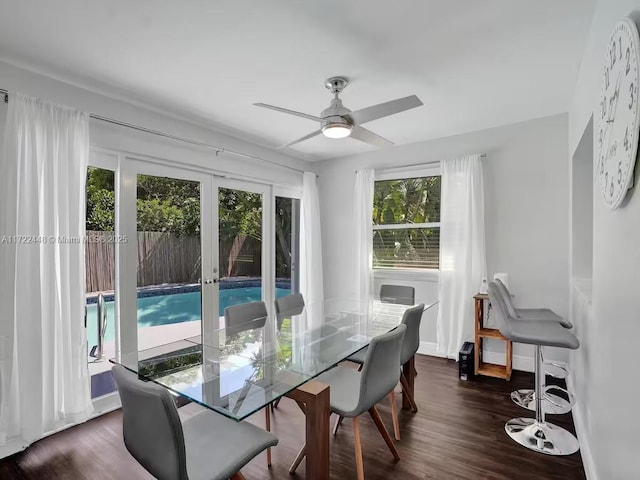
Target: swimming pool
168,308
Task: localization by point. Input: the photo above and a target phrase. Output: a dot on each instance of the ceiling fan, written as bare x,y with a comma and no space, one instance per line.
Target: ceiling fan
338,121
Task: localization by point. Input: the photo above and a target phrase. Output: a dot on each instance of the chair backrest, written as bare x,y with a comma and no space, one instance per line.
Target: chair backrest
499,310
411,318
287,306
397,294
506,298
151,426
381,371
246,316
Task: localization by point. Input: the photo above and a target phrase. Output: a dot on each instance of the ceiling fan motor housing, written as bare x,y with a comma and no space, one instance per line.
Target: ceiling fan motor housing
332,116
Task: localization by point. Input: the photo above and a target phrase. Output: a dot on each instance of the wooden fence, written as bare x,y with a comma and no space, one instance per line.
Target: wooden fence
166,258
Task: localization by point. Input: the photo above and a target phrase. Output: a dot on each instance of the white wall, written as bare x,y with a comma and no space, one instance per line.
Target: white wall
605,369
527,192
111,136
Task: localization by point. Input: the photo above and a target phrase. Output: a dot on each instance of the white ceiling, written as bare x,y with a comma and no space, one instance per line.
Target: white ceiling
474,64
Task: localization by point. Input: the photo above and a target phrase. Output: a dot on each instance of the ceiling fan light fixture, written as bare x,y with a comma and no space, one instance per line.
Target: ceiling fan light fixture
337,130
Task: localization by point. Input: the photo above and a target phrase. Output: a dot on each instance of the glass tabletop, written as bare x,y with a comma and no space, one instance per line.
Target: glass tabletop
240,368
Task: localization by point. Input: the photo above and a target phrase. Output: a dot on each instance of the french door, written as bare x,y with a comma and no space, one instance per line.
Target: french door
196,244
242,233
167,259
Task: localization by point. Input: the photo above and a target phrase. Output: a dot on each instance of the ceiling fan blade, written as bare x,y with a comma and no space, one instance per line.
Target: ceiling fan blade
302,139
290,112
367,136
374,112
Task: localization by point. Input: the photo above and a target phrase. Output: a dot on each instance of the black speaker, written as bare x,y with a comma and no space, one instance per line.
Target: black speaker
466,361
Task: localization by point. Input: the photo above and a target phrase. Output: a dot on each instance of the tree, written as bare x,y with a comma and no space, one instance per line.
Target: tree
100,200
173,206
406,201
163,204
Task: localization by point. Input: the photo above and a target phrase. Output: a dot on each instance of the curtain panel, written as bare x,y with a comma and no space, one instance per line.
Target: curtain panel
44,379
463,261
363,234
311,278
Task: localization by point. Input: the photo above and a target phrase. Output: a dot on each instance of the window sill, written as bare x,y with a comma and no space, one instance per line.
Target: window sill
423,275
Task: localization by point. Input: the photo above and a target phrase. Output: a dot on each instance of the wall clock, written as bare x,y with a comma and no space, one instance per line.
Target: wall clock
619,114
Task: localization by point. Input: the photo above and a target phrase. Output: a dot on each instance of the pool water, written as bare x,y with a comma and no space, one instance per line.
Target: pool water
173,308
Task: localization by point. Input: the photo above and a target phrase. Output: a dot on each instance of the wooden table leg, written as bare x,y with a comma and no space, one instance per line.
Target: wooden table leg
508,366
315,396
409,370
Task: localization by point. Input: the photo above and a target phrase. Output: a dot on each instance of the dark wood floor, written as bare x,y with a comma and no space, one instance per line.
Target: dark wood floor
457,434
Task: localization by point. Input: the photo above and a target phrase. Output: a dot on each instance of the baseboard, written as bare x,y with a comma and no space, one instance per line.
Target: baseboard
518,362
578,422
12,447
107,403
522,363
429,348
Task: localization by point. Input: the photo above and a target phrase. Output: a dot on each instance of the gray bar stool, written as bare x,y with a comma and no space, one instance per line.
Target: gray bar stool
551,403
535,433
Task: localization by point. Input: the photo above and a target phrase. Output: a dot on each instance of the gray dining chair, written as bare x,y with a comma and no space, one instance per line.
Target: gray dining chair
400,294
246,316
354,392
397,294
288,305
205,446
243,317
412,318
285,307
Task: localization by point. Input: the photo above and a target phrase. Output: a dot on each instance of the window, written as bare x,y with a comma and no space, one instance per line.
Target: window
406,222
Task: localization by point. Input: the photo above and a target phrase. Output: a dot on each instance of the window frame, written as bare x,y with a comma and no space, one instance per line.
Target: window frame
401,173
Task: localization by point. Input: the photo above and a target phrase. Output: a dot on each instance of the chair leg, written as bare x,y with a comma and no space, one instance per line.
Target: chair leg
383,431
337,424
406,391
358,448
394,415
238,476
275,404
298,460
267,422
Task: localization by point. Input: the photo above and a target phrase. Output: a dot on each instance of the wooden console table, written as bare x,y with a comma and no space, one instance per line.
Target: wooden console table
482,368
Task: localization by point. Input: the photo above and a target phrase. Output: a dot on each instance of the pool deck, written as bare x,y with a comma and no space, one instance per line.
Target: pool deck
149,337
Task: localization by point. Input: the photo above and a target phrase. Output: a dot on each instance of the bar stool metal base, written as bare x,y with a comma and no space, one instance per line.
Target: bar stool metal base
527,399
542,437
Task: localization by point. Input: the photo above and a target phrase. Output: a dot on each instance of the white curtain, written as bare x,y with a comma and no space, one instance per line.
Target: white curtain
311,280
44,380
462,251
363,235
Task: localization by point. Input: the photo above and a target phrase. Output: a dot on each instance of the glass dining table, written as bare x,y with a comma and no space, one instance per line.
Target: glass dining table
241,368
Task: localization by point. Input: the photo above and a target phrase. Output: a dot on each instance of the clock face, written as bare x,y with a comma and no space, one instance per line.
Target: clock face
617,133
